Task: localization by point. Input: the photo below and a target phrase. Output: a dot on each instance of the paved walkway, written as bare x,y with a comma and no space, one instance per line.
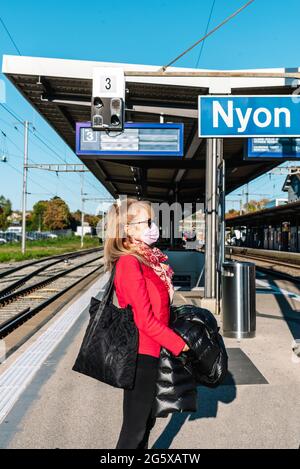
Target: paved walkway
258,407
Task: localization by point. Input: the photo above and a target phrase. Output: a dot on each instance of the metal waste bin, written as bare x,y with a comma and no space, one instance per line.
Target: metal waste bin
238,299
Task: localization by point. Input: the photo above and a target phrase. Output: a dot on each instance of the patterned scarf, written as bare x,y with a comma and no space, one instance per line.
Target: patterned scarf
156,258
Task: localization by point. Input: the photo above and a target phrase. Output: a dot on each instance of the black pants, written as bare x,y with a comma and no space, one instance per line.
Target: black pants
137,405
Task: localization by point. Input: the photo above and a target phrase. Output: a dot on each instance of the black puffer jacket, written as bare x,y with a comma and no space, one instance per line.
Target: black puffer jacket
205,363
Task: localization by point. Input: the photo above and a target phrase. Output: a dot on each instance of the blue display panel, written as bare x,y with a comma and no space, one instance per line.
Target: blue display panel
137,139
266,147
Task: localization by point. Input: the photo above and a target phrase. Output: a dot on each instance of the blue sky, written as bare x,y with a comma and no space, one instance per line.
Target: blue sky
148,32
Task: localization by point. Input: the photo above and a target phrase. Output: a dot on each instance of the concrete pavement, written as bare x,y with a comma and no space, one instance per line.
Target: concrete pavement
259,407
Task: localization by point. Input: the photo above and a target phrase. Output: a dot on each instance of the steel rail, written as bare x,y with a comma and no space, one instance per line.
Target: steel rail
14,285
10,324
42,283
43,259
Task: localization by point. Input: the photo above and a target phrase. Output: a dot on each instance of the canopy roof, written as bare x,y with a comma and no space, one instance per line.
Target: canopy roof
60,90
273,215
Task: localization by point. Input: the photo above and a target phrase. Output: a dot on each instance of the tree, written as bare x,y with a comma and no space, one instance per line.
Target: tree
251,206
231,214
75,220
263,203
57,215
38,213
92,220
5,211
255,205
77,216
3,220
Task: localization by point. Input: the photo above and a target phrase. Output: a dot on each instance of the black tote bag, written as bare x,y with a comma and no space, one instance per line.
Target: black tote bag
109,348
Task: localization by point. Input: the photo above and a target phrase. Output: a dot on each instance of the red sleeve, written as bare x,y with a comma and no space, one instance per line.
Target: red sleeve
131,281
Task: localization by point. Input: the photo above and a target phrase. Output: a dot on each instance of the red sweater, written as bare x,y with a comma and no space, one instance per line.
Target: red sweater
138,285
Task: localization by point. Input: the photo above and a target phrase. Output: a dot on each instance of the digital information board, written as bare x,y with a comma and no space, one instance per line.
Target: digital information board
137,139
271,147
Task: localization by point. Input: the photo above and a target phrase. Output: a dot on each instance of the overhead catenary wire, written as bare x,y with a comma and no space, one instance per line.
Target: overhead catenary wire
3,147
12,142
206,31
10,36
32,180
64,185
33,132
20,156
43,140
267,186
13,113
22,121
208,34
202,39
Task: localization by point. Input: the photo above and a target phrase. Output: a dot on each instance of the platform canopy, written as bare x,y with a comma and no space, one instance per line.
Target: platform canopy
61,90
268,216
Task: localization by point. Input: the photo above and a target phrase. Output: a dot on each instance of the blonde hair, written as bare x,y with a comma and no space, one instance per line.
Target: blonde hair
117,243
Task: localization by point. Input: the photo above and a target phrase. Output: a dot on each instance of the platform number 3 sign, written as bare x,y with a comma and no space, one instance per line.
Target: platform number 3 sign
108,82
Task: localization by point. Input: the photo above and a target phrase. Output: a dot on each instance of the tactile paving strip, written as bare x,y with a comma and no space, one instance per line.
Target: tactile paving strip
18,375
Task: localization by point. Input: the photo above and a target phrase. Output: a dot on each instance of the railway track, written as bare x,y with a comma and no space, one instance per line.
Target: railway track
267,260
285,268
14,278
6,271
26,290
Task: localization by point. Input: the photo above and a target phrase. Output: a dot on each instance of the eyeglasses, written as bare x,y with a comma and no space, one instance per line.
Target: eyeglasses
149,221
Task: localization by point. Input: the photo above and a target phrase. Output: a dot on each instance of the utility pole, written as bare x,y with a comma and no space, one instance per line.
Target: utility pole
24,198
247,195
66,168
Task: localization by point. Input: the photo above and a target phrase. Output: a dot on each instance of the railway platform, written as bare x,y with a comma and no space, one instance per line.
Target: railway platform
182,139
44,404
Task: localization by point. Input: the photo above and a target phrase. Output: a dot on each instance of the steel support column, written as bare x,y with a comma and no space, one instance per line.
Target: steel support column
214,155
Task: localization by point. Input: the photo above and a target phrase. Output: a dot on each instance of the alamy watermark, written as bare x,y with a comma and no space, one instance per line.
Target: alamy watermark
172,219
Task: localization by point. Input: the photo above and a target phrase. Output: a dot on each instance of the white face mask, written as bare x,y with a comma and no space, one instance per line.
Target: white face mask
150,235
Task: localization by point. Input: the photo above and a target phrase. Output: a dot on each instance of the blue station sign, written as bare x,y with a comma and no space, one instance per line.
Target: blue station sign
249,116
137,140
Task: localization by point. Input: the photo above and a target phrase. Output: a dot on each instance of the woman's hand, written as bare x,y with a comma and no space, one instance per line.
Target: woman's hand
185,348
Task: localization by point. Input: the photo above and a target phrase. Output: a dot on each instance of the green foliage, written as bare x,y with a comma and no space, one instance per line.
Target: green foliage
5,211
57,215
255,205
36,220
43,248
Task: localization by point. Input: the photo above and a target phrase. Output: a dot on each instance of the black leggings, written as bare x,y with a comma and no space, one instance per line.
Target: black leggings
137,405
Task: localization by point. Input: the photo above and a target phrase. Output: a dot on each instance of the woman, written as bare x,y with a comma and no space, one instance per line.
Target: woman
144,282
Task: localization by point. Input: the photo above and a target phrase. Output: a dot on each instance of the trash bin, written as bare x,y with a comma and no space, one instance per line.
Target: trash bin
238,299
